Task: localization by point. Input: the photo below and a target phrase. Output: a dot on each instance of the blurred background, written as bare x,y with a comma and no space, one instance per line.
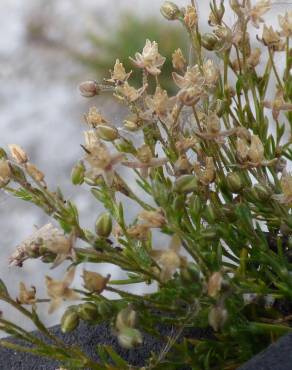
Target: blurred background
46,49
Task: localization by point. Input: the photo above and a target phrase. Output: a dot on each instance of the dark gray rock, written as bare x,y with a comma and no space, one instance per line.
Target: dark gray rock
278,356
88,337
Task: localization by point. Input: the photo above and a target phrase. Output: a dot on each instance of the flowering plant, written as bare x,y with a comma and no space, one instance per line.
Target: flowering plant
212,161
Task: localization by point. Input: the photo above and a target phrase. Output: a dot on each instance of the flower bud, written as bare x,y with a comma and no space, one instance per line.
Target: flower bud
88,89
88,311
103,225
125,146
215,284
209,41
126,318
94,282
130,125
170,10
34,172
5,172
107,133
262,192
69,320
77,174
186,184
129,338
104,309
217,317
18,154
234,182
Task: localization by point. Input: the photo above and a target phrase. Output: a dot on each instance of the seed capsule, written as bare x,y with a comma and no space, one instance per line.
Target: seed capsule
209,41
69,320
186,184
130,337
107,133
234,182
77,174
88,89
5,172
170,10
88,311
103,226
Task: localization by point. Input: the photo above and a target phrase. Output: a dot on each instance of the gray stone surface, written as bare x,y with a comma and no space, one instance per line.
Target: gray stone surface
276,357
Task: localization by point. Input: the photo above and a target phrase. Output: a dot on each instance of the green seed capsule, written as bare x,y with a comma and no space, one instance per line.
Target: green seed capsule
209,41
170,11
88,311
107,133
261,192
186,184
69,320
234,182
130,337
77,174
104,309
103,225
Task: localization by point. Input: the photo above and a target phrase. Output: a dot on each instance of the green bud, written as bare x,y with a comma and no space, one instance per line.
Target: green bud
107,133
103,225
170,10
88,311
209,41
125,146
3,289
209,214
234,182
186,184
261,192
69,320
77,174
130,337
105,309
93,182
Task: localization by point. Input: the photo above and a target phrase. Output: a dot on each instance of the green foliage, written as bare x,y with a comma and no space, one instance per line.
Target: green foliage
125,38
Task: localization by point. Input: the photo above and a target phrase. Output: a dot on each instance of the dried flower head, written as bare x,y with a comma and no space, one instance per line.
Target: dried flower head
145,161
207,175
150,59
129,92
18,154
94,118
101,161
286,24
119,75
46,239
191,17
169,259
159,104
58,290
26,296
34,172
278,104
178,60
272,39
257,11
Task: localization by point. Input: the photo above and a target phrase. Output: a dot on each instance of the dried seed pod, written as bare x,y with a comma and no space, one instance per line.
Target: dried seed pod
88,89
94,282
107,133
129,338
234,182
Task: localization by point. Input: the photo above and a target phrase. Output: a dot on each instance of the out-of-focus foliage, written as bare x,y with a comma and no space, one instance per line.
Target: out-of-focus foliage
128,37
